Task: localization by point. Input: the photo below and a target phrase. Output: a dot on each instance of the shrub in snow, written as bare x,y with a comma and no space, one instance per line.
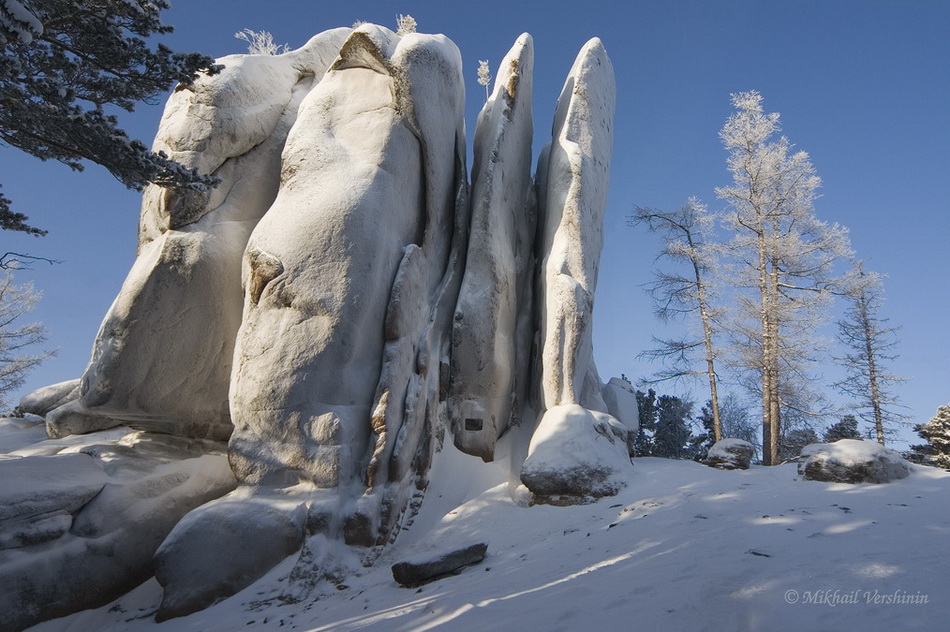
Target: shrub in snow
730,454
851,461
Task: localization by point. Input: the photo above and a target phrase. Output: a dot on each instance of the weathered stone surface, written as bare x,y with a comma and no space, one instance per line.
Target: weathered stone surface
63,552
730,454
380,131
43,400
490,352
20,432
621,402
424,569
851,461
573,175
38,485
162,358
224,546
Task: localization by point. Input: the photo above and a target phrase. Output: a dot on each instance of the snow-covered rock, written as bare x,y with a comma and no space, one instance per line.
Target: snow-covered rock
180,306
367,171
851,461
577,449
730,454
224,546
79,527
19,432
577,453
573,174
45,399
621,401
491,345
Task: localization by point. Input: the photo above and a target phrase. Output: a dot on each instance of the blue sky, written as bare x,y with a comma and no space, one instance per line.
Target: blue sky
862,85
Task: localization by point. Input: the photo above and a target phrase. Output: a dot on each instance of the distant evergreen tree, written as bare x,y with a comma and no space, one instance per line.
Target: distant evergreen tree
792,442
699,444
936,433
672,437
646,404
847,428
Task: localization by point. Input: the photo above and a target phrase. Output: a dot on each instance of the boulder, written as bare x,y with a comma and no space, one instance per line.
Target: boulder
427,568
730,454
851,461
224,546
576,452
20,432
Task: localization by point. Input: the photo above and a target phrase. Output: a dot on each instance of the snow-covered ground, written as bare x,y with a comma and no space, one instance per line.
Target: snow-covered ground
682,547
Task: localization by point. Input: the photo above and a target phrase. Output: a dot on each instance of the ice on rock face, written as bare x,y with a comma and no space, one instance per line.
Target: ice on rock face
180,306
490,351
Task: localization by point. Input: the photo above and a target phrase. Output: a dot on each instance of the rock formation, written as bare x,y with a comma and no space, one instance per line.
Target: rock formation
162,358
337,304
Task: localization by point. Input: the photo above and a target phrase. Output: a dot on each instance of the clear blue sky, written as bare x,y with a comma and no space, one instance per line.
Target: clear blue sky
862,85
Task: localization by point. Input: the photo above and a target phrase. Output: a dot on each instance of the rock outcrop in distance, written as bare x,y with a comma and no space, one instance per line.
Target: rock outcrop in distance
338,304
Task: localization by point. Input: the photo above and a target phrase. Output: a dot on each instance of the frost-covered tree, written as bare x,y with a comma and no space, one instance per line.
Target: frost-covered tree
847,428
405,24
484,75
936,433
868,343
261,42
784,258
685,232
15,302
66,65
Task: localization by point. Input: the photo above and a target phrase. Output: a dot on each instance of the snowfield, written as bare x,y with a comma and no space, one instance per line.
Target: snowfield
682,547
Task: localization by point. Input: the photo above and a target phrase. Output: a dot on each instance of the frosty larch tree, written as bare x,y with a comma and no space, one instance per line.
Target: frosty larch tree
65,65
783,256
868,342
15,302
685,232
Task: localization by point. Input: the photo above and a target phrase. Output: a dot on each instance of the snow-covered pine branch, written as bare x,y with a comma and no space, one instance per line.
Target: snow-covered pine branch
64,64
